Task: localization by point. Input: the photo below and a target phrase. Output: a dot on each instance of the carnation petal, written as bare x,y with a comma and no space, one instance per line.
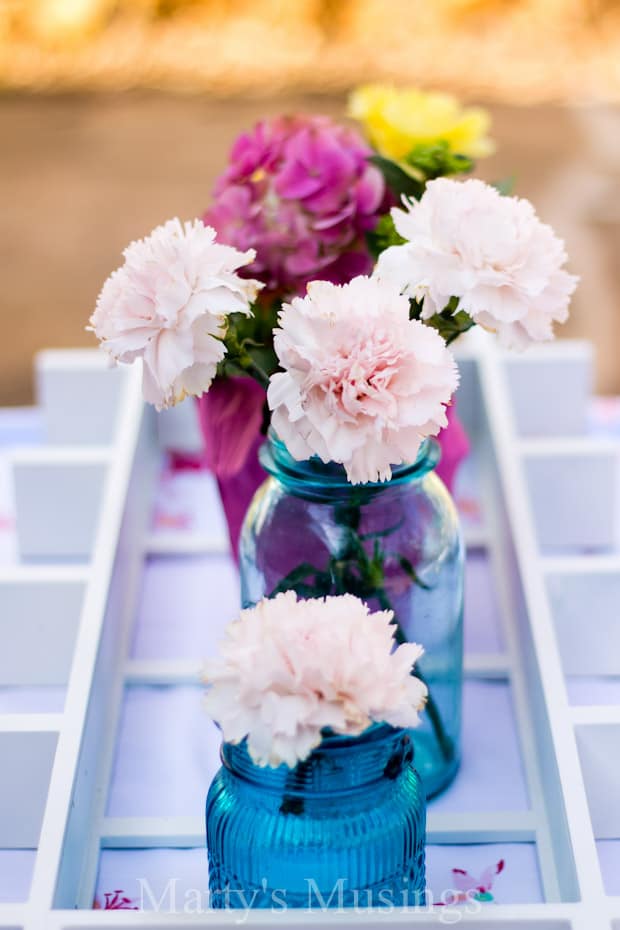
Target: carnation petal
358,373
466,241
168,304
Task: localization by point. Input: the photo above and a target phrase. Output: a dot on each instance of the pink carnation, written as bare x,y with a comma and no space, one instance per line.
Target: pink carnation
289,669
301,192
168,305
363,384
465,240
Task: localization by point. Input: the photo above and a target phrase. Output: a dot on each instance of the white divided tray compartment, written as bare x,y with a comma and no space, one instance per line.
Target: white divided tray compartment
73,634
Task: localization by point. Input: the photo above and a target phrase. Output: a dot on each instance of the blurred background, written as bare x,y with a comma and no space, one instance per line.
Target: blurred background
117,114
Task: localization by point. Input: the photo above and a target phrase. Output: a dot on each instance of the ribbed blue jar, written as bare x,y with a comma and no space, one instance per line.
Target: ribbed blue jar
395,544
345,828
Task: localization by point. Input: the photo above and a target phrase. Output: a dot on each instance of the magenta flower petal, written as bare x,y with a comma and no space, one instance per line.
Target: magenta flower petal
301,192
347,266
230,416
295,182
370,191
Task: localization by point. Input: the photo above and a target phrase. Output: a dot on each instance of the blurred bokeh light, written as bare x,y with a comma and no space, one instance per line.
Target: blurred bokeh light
540,50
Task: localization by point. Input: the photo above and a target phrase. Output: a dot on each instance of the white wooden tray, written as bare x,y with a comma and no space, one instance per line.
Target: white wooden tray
548,493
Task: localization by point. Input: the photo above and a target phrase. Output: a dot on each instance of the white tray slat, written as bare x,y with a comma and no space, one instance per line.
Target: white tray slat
573,492
27,748
565,802
58,494
41,611
79,396
545,405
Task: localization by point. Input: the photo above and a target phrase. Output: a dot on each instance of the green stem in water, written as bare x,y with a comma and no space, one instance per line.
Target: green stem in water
444,741
309,581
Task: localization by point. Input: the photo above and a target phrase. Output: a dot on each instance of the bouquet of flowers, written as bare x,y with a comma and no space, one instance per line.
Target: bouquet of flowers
324,283
318,298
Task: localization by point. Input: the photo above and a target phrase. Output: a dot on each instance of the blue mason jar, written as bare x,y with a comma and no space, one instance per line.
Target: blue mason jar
344,828
395,544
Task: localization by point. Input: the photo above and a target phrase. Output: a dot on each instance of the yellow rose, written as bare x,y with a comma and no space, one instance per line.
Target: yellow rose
397,120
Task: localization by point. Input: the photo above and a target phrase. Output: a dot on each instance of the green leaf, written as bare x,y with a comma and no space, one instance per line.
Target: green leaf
383,236
411,573
415,309
436,160
381,534
295,577
398,181
506,185
450,324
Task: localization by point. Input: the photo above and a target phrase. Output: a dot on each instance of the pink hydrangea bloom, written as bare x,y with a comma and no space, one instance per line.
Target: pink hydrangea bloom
168,305
289,668
465,240
301,192
362,384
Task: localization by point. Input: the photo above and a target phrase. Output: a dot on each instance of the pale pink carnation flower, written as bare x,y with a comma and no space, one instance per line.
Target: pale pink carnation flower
363,384
289,668
168,304
465,240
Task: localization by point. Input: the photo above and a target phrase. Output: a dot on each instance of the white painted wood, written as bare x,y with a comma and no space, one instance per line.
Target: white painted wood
12,916
109,681
599,749
498,917
581,564
39,619
74,782
187,671
79,395
58,493
179,543
586,714
162,672
446,828
586,613
27,747
573,486
570,811
550,392
502,565
476,537
30,723
487,665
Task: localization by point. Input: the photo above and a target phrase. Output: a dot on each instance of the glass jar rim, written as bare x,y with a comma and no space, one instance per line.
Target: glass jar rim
278,462
237,760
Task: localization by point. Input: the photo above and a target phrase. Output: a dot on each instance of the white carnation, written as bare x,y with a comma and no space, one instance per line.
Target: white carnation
168,305
465,240
289,668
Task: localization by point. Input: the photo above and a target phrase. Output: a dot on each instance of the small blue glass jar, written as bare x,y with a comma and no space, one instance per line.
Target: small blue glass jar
344,828
396,545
